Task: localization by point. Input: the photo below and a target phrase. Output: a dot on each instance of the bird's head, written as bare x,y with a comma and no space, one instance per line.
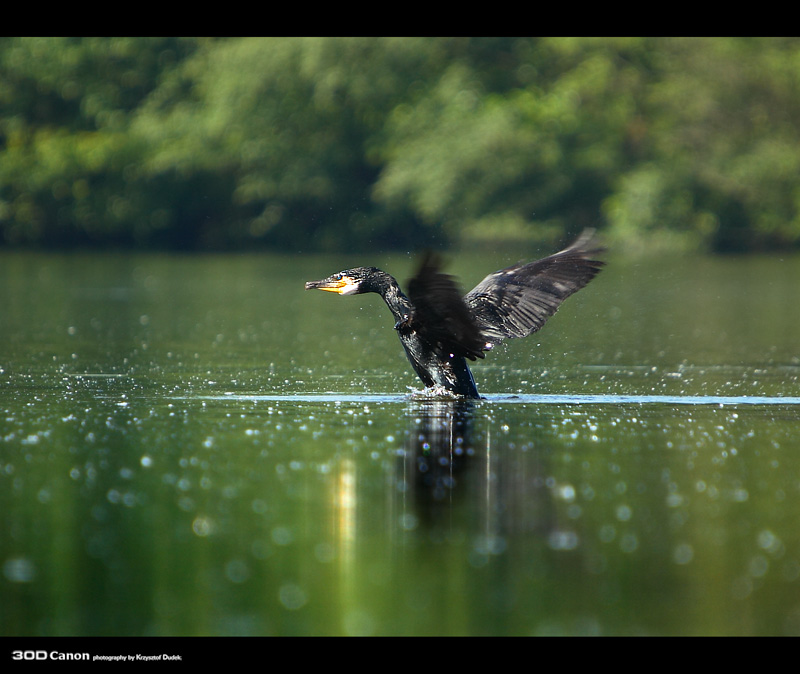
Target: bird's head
350,281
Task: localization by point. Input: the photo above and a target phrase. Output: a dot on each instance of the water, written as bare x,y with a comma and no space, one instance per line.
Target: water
197,446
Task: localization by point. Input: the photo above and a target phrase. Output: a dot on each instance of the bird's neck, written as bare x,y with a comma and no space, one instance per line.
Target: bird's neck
398,303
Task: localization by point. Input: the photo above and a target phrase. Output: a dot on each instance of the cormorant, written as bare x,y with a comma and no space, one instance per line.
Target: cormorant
439,329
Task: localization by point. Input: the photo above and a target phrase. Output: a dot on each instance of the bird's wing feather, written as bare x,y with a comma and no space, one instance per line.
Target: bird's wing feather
440,314
517,301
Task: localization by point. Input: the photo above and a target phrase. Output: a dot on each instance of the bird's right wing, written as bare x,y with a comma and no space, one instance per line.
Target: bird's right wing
517,301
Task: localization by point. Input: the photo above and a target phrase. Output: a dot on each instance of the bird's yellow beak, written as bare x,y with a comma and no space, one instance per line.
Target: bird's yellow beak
330,285
335,287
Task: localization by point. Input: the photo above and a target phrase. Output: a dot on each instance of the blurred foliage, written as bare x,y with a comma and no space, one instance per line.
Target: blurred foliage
354,143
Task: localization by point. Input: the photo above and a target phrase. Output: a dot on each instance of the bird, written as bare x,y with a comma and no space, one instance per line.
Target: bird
441,330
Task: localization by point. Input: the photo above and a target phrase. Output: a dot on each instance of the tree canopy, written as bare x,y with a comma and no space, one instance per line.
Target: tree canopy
343,143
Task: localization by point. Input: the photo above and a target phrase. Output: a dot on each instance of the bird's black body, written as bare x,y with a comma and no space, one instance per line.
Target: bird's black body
439,329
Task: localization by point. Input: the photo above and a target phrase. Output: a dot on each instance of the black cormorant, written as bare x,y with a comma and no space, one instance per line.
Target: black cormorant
440,329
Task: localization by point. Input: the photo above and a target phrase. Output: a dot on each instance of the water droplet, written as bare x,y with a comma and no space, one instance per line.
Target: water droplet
292,596
237,571
683,553
19,570
202,526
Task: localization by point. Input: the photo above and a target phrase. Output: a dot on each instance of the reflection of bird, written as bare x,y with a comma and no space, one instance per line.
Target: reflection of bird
437,449
439,329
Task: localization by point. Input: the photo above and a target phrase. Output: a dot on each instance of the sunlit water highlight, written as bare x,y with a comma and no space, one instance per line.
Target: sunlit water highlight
525,399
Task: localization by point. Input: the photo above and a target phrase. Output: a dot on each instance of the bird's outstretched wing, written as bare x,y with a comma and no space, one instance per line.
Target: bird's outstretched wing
440,315
516,301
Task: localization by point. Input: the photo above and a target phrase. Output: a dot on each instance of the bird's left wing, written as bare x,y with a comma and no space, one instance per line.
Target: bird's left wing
440,314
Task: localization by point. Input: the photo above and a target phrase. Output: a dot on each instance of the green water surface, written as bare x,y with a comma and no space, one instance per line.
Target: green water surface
197,446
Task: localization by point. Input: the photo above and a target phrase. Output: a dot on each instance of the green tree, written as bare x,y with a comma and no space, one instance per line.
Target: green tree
530,159
720,147
65,107
294,127
339,143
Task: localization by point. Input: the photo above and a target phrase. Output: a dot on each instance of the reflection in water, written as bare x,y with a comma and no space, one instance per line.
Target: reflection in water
456,479
438,447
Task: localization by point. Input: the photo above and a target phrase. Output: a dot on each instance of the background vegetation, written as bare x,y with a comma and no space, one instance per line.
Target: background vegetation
336,144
